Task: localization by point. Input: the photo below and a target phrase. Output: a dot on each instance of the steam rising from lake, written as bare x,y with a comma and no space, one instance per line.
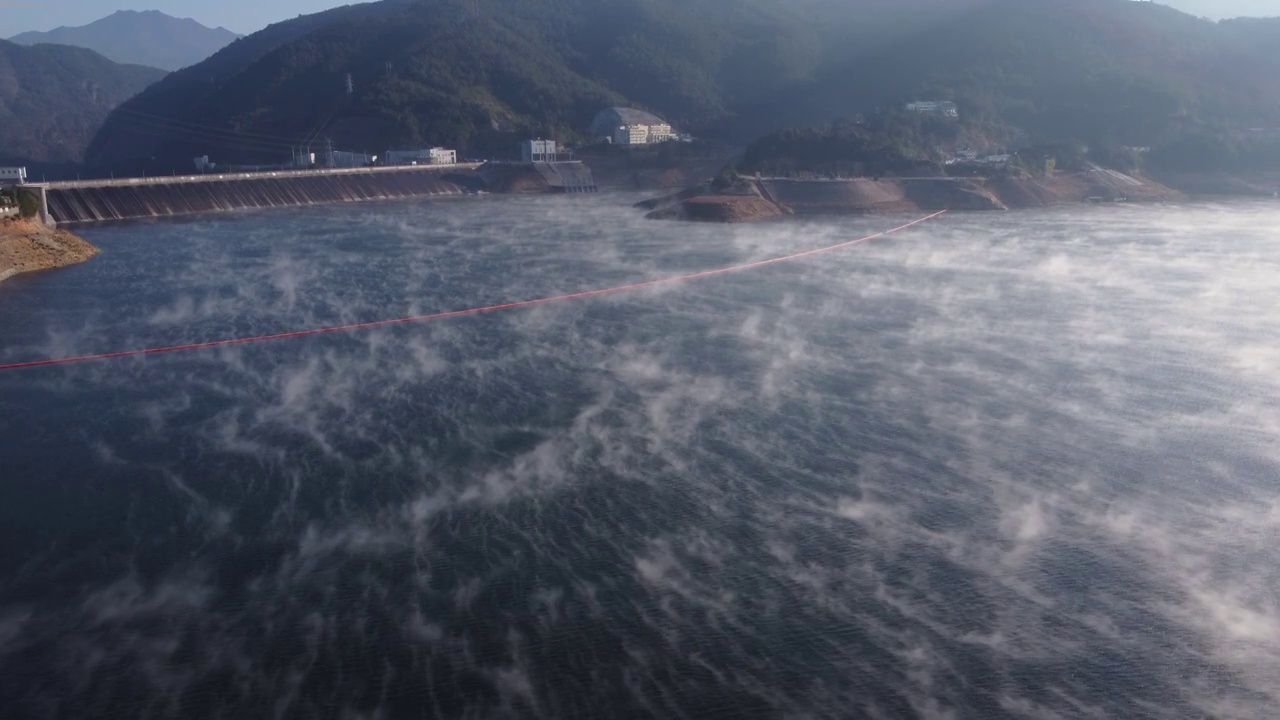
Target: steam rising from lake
999,466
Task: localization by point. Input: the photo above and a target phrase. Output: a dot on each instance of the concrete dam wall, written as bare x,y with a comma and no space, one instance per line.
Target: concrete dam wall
79,202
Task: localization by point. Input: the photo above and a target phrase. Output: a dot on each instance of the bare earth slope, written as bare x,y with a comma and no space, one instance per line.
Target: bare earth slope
751,199
27,246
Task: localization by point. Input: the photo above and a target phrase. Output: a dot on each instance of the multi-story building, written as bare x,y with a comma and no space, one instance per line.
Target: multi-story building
642,134
444,156
631,135
539,151
426,156
627,126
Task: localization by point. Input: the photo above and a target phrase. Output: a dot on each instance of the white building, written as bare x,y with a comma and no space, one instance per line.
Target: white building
539,151
16,175
631,135
945,108
642,134
627,126
426,156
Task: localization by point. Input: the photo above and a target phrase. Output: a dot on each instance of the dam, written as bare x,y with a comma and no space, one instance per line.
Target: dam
135,198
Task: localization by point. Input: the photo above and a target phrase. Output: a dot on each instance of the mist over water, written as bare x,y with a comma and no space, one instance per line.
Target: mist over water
1020,465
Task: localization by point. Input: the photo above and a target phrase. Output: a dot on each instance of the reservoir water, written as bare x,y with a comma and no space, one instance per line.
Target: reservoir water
1020,465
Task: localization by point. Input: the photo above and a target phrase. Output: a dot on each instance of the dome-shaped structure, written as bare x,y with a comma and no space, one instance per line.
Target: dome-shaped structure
610,119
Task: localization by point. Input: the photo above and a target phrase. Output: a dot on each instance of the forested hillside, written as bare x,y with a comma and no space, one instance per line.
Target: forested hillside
478,73
894,143
465,73
53,98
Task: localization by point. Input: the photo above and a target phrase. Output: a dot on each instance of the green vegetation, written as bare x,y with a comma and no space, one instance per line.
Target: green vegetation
53,98
473,74
480,74
894,144
28,203
725,179
1219,150
1049,78
1048,158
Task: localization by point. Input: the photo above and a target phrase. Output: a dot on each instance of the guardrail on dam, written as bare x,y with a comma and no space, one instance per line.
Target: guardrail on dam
133,198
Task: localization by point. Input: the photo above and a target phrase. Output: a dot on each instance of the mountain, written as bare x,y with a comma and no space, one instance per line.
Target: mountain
140,38
477,74
53,98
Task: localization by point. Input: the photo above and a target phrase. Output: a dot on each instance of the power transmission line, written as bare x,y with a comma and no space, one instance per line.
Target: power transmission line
204,135
210,128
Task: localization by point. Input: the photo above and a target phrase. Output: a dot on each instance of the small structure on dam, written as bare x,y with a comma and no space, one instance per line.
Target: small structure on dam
545,167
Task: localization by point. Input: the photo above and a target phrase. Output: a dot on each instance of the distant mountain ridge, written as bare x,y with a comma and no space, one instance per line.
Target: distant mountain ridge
147,37
476,74
53,98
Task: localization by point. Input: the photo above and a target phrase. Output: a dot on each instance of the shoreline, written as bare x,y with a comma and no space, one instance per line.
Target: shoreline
748,199
29,246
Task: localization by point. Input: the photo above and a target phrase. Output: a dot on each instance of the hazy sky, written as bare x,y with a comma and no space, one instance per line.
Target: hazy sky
1228,8
246,16
242,16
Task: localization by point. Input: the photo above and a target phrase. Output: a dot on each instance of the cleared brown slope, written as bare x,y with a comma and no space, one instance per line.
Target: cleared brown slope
29,246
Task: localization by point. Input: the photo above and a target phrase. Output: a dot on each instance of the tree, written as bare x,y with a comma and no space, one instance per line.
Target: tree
28,203
726,178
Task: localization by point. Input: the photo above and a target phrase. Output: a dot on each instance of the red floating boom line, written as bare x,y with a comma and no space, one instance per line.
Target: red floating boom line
459,313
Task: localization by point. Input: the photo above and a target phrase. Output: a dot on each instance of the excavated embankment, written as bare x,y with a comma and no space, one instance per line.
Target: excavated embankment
864,195
743,202
759,198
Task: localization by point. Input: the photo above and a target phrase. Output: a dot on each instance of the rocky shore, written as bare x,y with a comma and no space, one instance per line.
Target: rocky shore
29,246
